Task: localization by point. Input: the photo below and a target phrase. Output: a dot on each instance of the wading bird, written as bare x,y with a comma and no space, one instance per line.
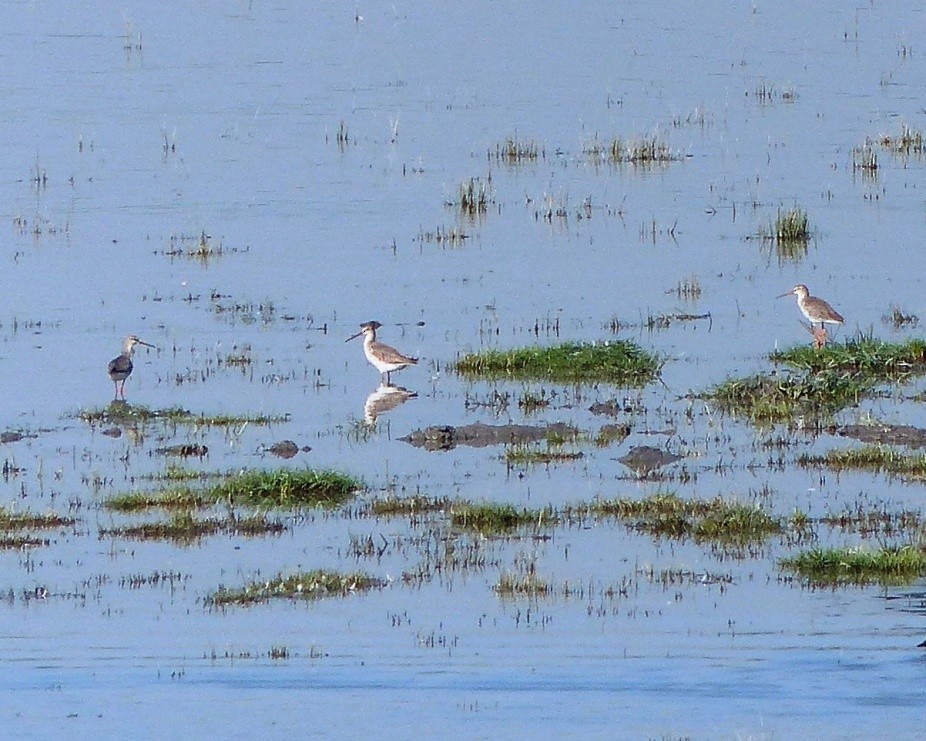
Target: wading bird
120,367
384,358
816,310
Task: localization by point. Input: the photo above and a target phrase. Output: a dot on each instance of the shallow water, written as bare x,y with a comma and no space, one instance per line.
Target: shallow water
131,131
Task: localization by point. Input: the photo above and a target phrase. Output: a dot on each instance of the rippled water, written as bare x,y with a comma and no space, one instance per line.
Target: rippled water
134,131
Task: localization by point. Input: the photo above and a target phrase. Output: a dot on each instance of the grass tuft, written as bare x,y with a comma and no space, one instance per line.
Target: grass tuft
280,488
491,518
837,566
870,360
617,361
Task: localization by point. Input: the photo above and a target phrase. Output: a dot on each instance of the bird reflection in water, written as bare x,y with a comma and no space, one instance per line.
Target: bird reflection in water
385,398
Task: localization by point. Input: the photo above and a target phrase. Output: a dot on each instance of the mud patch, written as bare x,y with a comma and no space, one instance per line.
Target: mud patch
912,437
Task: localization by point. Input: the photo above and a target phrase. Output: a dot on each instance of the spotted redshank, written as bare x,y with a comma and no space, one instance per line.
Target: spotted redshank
816,310
120,367
384,358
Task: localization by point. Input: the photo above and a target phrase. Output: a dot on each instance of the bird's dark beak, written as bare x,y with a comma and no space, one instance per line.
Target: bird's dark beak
146,344
353,336
789,293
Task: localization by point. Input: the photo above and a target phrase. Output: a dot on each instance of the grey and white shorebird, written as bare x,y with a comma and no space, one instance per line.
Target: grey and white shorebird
120,367
815,309
383,357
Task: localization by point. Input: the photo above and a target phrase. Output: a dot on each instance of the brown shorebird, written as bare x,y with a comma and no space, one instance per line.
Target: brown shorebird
384,358
816,310
120,367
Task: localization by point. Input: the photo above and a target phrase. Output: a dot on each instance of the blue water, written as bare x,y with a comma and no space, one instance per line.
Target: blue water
131,130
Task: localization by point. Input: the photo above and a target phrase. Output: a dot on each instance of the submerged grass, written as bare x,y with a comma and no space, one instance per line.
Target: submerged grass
310,585
715,520
405,506
10,520
836,566
617,361
120,412
877,458
765,398
185,527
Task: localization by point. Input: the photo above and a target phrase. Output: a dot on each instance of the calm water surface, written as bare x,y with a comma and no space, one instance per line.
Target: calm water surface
131,130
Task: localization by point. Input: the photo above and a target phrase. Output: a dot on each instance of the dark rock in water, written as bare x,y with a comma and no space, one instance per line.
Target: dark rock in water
912,437
184,451
11,437
112,432
478,435
284,449
645,458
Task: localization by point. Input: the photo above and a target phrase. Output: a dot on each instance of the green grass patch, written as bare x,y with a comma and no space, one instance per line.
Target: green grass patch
791,226
619,362
877,458
526,455
767,398
869,360
837,566
311,585
490,518
287,488
279,488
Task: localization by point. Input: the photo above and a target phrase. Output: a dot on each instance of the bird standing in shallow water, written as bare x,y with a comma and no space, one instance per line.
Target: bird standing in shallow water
816,310
120,367
384,358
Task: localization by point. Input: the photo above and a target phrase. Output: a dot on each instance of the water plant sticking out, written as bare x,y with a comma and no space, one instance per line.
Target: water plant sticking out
311,585
909,141
865,161
514,151
445,236
642,152
790,234
409,506
858,566
522,585
620,362
898,319
473,197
